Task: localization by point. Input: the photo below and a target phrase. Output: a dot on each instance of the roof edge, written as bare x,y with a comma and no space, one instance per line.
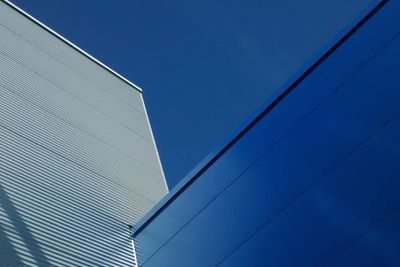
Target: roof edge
65,40
343,35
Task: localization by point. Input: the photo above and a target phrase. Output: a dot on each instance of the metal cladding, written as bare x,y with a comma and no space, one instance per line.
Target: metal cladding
313,180
78,162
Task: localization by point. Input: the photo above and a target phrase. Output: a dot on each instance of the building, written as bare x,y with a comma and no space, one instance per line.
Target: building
312,180
78,162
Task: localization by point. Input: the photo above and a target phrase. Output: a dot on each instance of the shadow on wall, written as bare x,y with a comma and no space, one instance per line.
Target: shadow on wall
9,253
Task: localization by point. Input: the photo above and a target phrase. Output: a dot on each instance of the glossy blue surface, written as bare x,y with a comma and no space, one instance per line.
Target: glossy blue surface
315,182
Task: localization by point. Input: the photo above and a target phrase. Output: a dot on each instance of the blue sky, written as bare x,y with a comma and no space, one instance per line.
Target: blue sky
204,66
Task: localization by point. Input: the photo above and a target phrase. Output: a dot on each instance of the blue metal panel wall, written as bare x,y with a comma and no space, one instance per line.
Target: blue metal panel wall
314,181
78,161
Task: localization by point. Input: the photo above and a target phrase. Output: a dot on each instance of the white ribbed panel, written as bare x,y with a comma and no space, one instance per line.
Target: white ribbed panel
77,157
69,57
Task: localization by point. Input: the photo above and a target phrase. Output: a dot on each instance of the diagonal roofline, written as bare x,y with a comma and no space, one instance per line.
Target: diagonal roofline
65,40
274,100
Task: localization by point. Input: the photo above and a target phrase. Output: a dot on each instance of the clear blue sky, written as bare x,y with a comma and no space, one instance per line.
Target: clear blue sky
204,66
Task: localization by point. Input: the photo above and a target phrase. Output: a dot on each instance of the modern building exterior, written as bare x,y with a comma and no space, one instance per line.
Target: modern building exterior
78,162
312,180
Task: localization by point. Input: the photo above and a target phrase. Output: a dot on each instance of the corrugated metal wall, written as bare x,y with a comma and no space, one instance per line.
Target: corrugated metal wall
77,157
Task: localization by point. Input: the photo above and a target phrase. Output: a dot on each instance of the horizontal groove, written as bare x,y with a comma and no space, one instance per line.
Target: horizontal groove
92,132
55,57
38,204
125,211
77,247
24,163
58,167
40,78
50,250
19,46
35,99
142,185
77,156
17,122
53,213
66,258
31,108
70,154
98,194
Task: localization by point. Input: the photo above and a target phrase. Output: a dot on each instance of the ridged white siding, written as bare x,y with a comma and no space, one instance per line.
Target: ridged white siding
77,157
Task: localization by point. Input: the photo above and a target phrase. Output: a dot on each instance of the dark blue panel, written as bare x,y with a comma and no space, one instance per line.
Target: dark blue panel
239,157
344,205
377,247
304,182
